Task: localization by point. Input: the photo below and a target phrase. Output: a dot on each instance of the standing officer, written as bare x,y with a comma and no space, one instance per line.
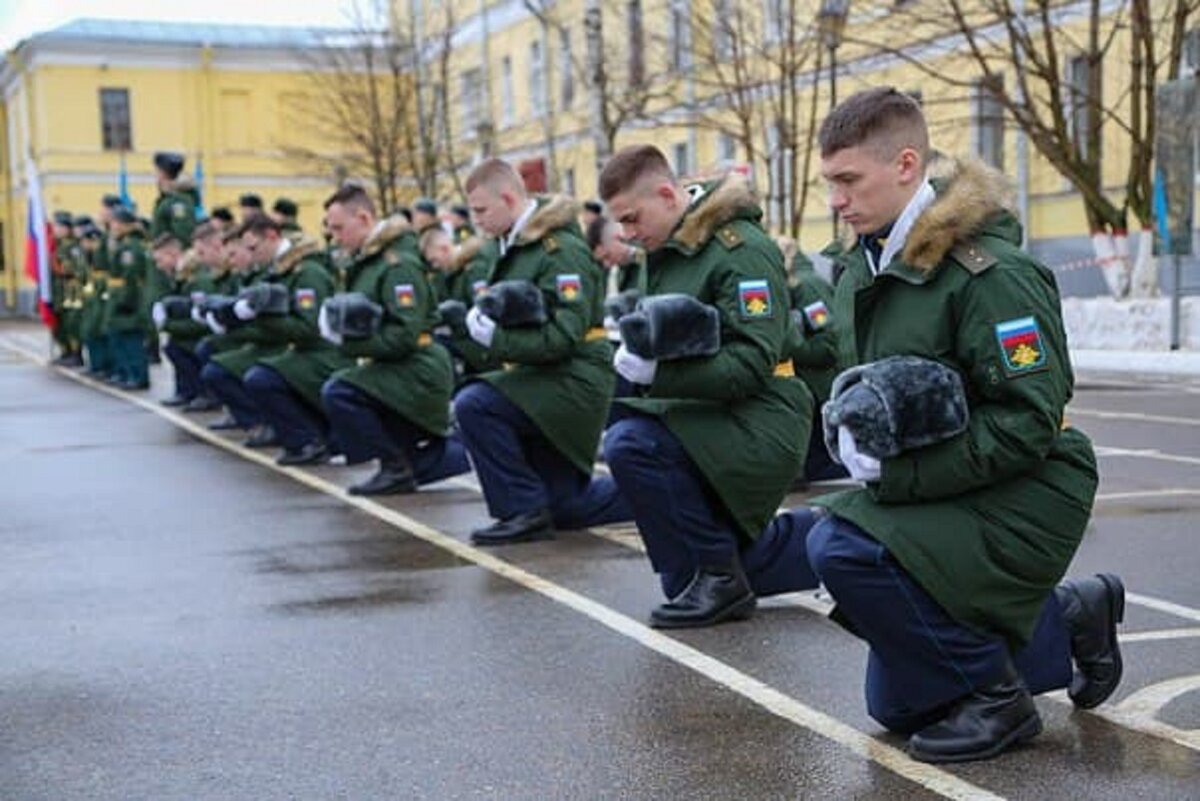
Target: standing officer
124,313
249,205
460,221
67,289
284,212
394,404
287,387
709,450
91,322
425,216
946,561
175,209
532,427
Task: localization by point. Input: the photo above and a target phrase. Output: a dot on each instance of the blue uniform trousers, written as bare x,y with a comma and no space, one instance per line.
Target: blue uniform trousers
295,422
818,464
229,390
187,370
130,363
522,472
365,428
99,355
921,660
681,521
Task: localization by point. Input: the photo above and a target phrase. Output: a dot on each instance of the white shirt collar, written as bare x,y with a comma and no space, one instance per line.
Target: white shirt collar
521,222
285,245
920,201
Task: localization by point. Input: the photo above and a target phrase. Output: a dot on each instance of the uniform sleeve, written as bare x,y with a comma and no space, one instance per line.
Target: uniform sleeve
571,285
751,296
408,303
1012,351
310,289
817,345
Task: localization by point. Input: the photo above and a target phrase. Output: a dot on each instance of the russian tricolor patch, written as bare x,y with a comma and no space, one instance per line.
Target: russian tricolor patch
1021,345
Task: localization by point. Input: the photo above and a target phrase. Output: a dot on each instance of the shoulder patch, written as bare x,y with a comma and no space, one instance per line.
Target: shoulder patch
817,315
972,257
179,210
730,238
569,287
127,258
406,296
550,243
306,299
1021,346
754,300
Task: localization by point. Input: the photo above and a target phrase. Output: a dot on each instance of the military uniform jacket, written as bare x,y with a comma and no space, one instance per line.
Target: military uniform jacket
175,211
308,359
224,282
560,374
126,284
737,413
242,347
400,366
466,282
986,522
195,282
94,287
814,349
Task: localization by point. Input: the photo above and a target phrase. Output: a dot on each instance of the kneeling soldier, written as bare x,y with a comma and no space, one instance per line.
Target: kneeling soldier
977,491
394,405
172,314
709,450
532,428
287,387
465,268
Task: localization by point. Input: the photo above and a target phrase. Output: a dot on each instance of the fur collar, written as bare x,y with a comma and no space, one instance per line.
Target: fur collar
467,250
731,199
969,193
302,247
392,229
553,212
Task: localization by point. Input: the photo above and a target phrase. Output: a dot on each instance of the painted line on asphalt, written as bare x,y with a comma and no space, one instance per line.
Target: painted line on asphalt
1146,453
1159,605
777,703
1159,493
1160,635
1073,411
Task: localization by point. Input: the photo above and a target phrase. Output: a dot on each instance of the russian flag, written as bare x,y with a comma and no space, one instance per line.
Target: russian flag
39,244
1018,332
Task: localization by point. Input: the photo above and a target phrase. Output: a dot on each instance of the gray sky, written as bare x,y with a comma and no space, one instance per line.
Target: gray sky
22,18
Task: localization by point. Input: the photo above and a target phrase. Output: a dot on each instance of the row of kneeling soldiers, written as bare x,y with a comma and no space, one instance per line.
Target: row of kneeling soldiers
971,493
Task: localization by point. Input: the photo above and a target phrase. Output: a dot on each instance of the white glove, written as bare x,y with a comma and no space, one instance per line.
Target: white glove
482,327
213,325
862,467
243,310
634,368
327,333
198,316
158,314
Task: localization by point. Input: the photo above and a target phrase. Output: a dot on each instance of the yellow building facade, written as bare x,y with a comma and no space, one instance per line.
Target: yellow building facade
80,100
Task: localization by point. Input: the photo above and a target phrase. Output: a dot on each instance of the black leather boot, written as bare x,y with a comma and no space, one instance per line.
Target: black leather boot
226,423
262,437
981,725
202,403
1092,608
309,453
393,478
526,527
715,595
175,400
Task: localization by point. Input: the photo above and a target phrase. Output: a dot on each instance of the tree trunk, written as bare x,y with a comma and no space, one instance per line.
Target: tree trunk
593,25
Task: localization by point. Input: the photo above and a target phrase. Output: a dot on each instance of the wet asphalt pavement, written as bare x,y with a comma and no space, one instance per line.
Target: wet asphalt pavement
180,622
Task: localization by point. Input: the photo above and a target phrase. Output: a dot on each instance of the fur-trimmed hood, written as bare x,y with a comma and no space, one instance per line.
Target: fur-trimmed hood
731,199
553,212
468,249
970,195
189,262
391,229
302,247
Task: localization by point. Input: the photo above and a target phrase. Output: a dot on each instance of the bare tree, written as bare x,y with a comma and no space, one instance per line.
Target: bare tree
1034,52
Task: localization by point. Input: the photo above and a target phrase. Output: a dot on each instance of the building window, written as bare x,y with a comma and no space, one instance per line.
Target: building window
115,129
537,79
726,148
772,20
472,100
678,45
987,122
566,70
1190,54
1079,80
722,34
506,91
682,163
637,44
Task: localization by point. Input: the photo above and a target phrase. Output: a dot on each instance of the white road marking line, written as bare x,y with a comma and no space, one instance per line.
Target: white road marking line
1137,721
1135,416
1146,453
1159,635
931,778
1159,605
1159,493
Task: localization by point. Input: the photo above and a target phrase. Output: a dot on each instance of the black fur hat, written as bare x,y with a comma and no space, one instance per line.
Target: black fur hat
170,163
513,304
453,314
177,307
668,327
623,303
894,405
270,299
221,307
353,315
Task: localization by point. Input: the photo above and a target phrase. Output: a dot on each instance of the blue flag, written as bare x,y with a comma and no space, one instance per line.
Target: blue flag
123,185
198,177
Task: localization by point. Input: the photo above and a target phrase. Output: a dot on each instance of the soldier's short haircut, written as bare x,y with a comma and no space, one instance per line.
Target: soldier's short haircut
165,240
231,235
883,120
432,236
496,174
629,165
259,224
351,196
205,230
595,231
